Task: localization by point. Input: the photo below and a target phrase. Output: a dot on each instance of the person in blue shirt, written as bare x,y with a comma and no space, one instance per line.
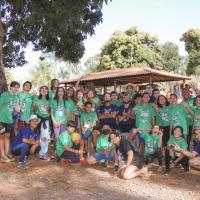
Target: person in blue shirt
26,141
125,116
107,112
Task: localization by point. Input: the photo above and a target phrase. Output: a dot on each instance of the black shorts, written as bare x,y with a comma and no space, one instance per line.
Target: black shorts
9,128
73,157
138,160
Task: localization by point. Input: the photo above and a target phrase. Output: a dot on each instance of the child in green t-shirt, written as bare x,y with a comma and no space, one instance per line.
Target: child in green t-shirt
176,157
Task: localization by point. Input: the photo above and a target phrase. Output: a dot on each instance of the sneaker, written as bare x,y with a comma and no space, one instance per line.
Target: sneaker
105,164
11,157
5,159
159,169
45,158
22,165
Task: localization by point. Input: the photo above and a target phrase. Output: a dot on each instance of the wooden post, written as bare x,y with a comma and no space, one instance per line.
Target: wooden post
150,80
115,85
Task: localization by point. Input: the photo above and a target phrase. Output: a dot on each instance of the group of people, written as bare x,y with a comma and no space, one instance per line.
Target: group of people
132,128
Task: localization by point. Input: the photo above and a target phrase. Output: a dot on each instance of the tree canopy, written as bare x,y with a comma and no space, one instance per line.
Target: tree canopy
135,48
50,25
192,46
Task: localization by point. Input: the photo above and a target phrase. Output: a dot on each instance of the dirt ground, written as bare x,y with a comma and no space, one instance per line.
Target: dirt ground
51,181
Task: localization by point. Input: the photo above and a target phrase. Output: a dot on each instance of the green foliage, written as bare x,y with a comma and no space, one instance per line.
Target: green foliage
51,26
170,56
192,46
135,48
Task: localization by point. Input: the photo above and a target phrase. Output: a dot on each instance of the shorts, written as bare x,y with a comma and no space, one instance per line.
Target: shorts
138,160
9,128
141,140
102,156
71,156
86,135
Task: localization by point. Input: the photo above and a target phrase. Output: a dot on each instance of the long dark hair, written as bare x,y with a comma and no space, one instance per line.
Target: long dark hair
196,99
73,96
166,103
40,95
57,97
52,83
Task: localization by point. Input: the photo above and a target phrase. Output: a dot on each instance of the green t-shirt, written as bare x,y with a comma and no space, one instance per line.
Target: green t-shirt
64,140
52,94
88,118
190,103
162,117
59,109
117,102
180,142
151,143
144,114
73,110
132,95
42,109
103,143
196,113
26,101
178,117
8,102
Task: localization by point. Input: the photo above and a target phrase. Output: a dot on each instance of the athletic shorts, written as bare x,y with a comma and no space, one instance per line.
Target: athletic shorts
102,156
9,128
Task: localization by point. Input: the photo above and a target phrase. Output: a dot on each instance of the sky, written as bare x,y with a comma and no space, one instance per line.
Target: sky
166,19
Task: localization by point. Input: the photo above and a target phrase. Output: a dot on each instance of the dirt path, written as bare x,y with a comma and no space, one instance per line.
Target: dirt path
50,181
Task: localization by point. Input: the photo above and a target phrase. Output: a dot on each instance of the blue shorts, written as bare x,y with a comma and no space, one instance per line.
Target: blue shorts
86,135
102,156
141,140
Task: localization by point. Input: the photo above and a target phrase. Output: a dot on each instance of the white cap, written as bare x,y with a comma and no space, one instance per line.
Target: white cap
44,85
32,117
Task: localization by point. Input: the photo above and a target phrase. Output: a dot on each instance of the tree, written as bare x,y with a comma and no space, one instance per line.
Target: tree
129,48
170,55
50,25
192,46
50,67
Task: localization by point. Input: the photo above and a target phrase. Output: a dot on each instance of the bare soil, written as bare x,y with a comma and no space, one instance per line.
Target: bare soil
51,181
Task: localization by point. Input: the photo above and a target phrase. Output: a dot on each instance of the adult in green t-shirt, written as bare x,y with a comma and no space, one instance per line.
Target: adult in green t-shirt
59,111
162,117
25,101
197,112
171,154
53,88
145,116
88,121
130,90
153,143
115,100
103,147
178,115
9,104
64,142
41,107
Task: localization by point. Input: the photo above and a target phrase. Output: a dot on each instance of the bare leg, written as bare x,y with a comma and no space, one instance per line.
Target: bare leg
7,143
94,136
132,172
91,160
195,163
2,145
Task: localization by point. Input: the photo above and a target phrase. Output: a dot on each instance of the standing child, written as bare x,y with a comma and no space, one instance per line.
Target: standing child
41,107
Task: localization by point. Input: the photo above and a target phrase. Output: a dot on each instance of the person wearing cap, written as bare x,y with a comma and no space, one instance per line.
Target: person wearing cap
64,145
8,106
26,141
194,156
41,107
